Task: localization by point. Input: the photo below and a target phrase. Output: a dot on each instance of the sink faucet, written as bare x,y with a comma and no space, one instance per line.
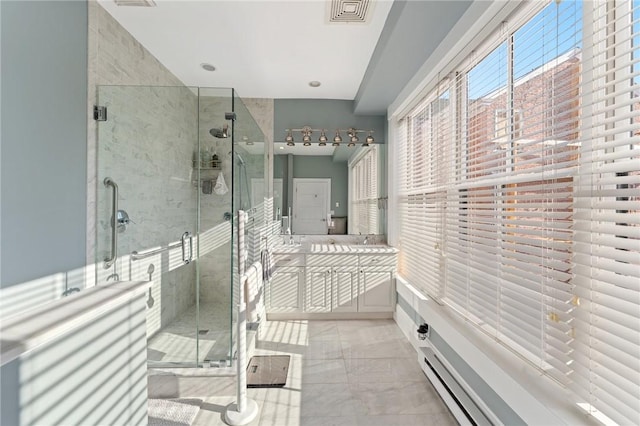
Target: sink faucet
366,240
290,240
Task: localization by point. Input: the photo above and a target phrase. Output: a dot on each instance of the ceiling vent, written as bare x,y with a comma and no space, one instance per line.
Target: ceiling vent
349,11
138,3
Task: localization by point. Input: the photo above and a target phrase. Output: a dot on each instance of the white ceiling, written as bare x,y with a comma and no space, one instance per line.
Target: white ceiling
262,48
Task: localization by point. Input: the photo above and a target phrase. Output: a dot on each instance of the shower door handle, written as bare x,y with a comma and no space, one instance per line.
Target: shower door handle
186,259
109,261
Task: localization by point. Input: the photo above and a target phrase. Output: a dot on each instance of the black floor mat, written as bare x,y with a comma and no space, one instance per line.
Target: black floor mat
268,371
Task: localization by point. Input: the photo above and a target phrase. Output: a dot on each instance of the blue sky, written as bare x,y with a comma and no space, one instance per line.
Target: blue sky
552,32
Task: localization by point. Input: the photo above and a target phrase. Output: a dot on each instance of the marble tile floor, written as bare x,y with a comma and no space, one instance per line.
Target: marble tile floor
176,342
342,373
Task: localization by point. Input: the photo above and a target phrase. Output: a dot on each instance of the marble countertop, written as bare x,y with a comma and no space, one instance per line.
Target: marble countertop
334,249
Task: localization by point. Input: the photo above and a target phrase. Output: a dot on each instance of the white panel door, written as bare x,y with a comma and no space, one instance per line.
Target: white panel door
311,199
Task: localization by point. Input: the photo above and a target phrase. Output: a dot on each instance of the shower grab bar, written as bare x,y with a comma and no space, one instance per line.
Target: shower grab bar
109,261
144,254
183,240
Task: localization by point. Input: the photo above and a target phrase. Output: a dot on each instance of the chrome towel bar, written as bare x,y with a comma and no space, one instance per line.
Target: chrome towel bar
135,255
187,236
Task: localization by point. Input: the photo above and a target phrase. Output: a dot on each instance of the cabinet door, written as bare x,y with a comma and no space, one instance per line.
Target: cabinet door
345,290
317,296
285,290
376,291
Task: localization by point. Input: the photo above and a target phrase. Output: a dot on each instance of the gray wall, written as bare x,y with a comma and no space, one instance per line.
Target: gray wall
44,136
43,153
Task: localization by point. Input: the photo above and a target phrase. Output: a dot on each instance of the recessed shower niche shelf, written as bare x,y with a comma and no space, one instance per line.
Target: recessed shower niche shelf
208,165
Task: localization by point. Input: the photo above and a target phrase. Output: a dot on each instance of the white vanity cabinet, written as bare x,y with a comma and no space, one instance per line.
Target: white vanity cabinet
331,283
377,279
285,290
344,283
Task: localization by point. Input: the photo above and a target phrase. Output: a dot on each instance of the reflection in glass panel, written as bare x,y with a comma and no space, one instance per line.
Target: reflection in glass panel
486,106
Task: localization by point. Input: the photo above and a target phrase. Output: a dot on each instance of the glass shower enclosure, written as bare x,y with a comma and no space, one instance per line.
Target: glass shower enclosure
172,171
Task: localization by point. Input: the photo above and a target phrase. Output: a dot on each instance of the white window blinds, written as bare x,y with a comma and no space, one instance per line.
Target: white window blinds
509,234
425,142
606,247
363,174
518,208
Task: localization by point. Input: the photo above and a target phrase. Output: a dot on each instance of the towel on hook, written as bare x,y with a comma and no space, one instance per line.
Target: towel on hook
221,186
267,265
207,186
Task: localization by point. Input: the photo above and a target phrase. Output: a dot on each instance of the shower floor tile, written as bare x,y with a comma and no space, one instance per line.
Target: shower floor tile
176,342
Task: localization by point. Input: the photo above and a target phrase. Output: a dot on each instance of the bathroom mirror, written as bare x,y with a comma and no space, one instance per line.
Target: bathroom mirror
330,190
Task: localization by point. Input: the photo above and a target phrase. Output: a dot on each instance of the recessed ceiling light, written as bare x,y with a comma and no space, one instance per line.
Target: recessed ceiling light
141,3
314,83
207,67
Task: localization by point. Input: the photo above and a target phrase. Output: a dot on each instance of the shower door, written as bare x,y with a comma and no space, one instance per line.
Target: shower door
146,149
181,160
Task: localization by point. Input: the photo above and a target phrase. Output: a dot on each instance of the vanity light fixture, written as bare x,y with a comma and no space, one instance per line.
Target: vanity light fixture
306,132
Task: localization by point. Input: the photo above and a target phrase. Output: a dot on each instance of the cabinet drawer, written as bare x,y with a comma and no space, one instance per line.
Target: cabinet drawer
369,261
281,260
333,260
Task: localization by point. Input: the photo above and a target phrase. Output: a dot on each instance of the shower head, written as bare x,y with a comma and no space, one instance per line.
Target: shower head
220,133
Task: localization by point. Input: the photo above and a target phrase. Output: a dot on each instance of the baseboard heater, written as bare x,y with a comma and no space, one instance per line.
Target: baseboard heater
463,408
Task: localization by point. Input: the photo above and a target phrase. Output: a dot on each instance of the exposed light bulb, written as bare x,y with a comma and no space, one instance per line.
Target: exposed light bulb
323,139
337,139
289,139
